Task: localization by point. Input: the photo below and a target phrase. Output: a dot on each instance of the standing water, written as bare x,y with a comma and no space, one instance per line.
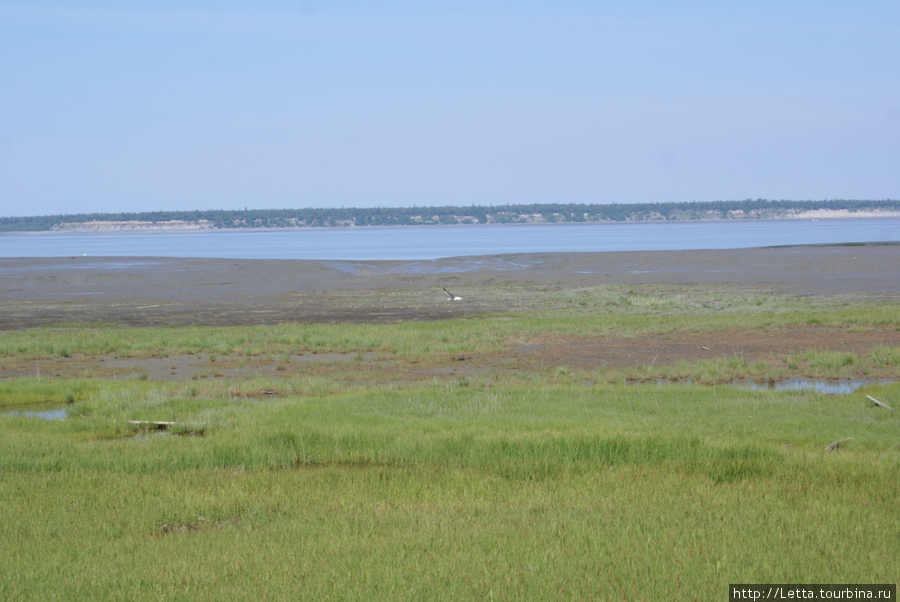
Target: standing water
433,242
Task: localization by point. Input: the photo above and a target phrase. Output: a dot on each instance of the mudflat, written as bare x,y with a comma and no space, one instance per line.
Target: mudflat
141,291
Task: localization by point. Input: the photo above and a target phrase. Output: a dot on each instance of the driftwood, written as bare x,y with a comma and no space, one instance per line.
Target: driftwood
835,444
164,425
878,403
190,428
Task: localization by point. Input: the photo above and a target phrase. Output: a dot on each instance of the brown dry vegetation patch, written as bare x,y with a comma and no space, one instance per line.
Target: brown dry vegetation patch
674,347
540,352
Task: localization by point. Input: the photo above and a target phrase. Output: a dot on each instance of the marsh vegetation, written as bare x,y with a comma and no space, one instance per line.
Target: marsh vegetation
515,455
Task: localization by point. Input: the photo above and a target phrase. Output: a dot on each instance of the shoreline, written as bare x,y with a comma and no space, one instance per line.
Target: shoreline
188,227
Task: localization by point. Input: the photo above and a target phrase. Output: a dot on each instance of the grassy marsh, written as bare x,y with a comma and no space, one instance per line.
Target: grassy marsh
336,479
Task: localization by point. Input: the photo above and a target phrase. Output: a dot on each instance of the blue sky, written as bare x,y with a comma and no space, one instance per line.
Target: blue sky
141,106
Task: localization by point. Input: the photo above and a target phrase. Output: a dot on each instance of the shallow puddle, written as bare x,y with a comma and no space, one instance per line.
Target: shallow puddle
817,385
42,412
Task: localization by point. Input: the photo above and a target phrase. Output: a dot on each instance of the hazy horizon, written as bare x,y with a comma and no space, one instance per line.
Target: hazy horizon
165,106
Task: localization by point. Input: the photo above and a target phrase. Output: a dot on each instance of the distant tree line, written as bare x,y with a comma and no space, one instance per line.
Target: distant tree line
453,214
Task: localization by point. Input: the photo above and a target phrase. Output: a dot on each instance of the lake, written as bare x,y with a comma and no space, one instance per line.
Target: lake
433,242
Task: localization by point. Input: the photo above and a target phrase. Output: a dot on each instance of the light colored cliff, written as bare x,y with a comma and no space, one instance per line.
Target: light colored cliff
132,226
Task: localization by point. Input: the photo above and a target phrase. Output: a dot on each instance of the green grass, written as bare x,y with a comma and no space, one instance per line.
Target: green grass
390,533
450,492
549,484
594,311
48,391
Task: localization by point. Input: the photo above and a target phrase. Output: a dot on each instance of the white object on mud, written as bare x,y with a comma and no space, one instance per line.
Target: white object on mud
451,296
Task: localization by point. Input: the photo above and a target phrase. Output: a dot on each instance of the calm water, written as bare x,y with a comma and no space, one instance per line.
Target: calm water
450,241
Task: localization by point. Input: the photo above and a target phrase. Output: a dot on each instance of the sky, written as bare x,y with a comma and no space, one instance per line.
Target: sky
161,105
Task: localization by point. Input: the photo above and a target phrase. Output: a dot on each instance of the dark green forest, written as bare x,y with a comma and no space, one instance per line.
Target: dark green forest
450,214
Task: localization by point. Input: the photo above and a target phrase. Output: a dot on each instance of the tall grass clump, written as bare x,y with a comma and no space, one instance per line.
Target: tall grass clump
48,391
884,355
